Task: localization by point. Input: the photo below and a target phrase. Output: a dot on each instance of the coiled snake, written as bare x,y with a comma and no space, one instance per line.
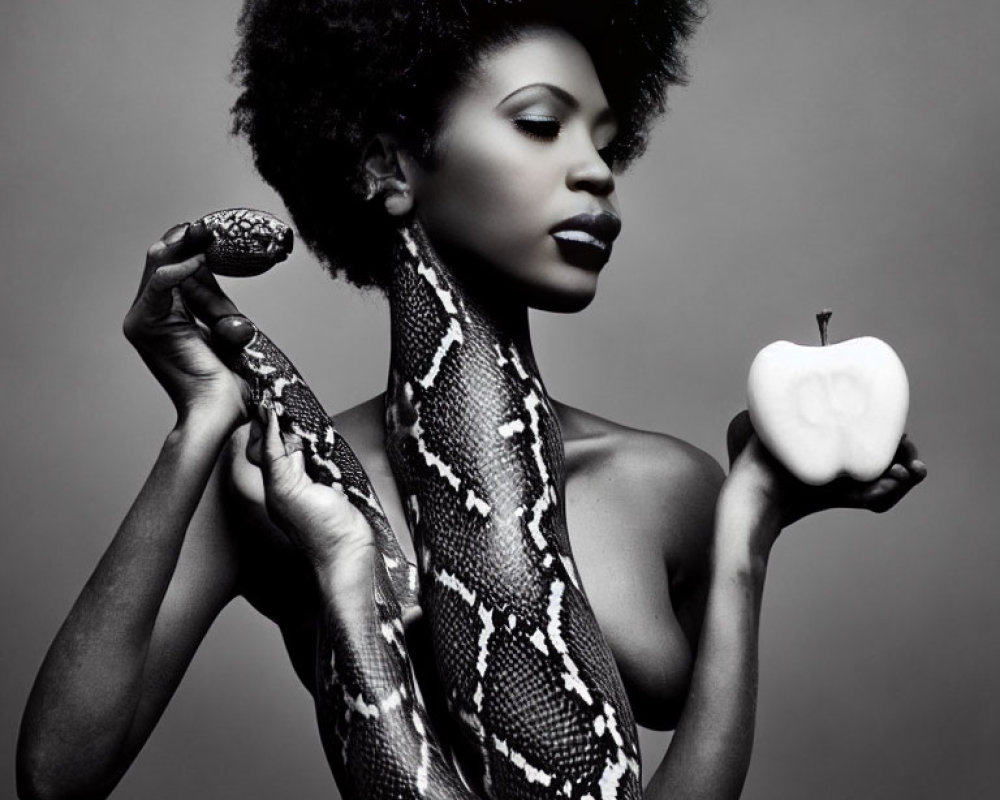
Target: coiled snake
477,455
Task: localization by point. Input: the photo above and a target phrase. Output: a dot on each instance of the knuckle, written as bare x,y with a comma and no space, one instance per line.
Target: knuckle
283,483
158,280
131,325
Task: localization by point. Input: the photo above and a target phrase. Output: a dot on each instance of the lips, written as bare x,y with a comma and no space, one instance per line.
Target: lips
585,240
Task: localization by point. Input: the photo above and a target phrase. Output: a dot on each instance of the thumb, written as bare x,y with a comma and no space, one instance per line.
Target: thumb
738,435
282,470
254,440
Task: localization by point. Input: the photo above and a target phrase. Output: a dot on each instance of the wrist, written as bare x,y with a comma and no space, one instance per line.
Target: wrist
205,423
346,576
747,522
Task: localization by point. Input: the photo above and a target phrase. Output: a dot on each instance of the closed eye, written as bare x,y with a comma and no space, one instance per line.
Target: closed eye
544,128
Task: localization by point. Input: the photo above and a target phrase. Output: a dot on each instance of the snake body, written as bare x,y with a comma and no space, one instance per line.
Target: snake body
477,455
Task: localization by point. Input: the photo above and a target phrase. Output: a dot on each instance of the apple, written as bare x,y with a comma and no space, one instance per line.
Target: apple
823,412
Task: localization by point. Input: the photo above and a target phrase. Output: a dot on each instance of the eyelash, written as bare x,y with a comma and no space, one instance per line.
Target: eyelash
547,129
543,128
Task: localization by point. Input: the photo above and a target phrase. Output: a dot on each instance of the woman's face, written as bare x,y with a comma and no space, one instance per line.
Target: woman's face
519,191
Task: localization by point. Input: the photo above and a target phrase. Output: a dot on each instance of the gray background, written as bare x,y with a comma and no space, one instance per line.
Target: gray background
826,154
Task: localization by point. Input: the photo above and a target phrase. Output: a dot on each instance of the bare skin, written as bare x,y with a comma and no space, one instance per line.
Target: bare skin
672,552
624,490
673,560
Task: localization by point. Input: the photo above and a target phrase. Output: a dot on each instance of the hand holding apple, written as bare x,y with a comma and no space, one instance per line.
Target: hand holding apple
829,411
770,488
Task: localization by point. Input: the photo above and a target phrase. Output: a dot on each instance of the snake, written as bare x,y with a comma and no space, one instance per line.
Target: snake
475,448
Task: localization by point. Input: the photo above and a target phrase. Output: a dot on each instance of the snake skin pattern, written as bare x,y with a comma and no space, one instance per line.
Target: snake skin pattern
381,743
477,455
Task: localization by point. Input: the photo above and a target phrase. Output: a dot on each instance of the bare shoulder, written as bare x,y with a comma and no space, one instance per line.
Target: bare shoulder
666,486
641,511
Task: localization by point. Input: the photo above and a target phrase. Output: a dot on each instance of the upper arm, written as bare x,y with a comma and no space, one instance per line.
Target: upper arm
687,530
677,486
660,497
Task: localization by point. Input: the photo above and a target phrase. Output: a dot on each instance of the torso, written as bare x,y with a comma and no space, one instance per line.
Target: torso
639,512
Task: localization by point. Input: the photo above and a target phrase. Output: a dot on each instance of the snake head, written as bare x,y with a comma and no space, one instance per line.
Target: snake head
246,242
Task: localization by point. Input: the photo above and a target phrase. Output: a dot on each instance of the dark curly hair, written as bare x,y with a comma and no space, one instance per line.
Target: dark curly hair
320,78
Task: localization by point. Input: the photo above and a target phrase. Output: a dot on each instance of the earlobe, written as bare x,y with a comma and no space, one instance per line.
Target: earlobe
385,176
398,200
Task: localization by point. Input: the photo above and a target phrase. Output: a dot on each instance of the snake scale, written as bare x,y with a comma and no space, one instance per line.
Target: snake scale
477,455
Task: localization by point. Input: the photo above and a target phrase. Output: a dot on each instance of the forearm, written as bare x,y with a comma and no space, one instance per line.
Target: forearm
79,712
709,754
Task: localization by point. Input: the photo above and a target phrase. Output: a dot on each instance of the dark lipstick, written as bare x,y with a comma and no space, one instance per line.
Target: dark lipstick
585,239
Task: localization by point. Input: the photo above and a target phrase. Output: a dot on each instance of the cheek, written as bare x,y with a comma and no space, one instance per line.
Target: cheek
489,195
471,215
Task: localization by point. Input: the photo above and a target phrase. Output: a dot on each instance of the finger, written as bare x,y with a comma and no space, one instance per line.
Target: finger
272,447
907,450
897,472
157,295
254,443
884,493
906,454
158,253
288,445
297,463
178,243
273,462
293,444
738,434
205,297
280,464
879,496
906,470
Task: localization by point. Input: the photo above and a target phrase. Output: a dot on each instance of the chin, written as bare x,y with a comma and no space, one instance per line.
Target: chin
564,300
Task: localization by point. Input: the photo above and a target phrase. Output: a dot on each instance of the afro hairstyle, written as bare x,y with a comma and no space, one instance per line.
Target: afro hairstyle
320,79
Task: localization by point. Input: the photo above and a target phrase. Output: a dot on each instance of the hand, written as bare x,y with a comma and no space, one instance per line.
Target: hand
319,519
793,500
177,291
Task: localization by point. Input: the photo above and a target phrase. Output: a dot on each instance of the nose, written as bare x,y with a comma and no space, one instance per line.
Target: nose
591,173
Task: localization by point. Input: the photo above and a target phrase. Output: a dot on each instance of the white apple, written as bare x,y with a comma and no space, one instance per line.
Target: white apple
832,410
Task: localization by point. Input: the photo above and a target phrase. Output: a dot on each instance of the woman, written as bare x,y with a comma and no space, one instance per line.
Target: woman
491,126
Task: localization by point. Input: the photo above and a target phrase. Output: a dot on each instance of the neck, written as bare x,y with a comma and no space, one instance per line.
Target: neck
419,271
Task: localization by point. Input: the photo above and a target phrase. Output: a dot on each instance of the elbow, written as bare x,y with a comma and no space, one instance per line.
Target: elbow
662,716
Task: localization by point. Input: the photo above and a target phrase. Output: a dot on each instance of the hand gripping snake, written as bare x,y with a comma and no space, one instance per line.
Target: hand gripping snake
477,456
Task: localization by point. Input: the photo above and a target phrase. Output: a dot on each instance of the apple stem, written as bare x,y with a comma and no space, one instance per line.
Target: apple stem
823,318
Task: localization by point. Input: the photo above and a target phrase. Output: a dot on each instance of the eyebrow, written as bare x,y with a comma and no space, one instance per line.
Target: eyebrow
606,115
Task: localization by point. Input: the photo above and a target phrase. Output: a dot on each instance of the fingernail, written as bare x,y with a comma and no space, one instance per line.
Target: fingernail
233,332
176,234
199,232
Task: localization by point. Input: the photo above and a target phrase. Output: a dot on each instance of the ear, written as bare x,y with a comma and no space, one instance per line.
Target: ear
385,170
